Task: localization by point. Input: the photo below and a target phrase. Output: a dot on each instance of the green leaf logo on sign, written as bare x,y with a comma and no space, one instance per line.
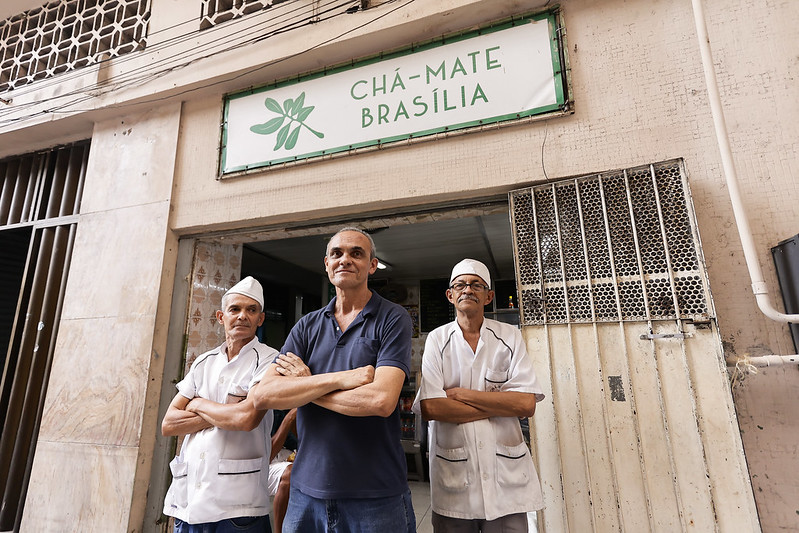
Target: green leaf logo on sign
292,110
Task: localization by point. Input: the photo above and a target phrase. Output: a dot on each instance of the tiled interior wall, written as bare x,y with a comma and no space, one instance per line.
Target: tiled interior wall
216,269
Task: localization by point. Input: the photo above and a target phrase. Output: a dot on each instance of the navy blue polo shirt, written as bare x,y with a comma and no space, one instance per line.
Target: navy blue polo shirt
343,456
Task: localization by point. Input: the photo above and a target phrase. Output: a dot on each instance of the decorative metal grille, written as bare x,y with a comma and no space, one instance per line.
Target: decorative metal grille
216,12
68,34
609,247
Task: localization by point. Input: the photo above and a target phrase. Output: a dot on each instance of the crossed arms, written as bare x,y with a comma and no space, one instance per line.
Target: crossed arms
185,416
362,391
467,405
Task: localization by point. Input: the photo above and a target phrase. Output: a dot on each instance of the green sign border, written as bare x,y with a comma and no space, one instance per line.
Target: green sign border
557,69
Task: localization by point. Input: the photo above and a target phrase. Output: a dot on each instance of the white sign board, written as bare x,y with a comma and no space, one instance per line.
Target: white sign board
478,78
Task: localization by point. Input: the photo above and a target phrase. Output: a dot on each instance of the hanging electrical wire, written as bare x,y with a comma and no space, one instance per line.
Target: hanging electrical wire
62,108
158,47
153,70
286,20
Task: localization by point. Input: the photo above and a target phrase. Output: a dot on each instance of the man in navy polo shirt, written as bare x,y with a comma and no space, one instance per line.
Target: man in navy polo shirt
344,366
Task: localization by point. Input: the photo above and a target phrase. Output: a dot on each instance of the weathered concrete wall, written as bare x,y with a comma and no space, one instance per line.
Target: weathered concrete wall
639,97
91,469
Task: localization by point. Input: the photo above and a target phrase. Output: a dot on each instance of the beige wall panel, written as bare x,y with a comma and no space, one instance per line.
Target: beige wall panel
574,456
726,465
131,161
595,426
688,473
686,446
622,426
544,441
98,392
108,364
79,487
116,268
656,460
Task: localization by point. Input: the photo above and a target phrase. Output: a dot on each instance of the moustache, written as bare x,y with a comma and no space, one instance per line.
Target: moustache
468,297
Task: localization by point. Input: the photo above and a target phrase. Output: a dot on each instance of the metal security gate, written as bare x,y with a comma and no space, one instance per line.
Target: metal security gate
639,431
40,198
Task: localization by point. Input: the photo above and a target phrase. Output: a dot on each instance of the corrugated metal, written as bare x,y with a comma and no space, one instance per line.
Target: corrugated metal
639,431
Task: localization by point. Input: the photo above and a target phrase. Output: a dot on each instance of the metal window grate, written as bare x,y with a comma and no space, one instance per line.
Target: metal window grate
218,11
215,12
42,186
609,247
68,34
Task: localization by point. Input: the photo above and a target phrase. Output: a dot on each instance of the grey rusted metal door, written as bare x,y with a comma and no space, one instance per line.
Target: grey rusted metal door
638,432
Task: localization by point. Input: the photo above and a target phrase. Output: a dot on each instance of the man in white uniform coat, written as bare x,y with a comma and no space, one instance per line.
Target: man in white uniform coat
220,478
477,382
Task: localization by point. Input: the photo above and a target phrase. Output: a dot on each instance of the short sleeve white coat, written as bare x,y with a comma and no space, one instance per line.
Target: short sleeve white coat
222,474
481,469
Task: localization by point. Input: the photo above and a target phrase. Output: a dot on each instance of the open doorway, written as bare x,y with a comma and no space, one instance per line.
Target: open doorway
418,250
416,254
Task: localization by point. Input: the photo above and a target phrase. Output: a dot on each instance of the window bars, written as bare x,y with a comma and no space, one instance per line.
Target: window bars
615,246
39,202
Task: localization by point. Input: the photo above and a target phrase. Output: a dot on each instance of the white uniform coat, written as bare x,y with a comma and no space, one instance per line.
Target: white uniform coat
222,474
480,469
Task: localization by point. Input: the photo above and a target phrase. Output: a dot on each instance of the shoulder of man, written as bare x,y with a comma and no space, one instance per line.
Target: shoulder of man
444,330
204,358
502,330
387,307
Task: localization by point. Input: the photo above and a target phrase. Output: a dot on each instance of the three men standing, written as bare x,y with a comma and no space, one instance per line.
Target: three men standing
477,382
343,367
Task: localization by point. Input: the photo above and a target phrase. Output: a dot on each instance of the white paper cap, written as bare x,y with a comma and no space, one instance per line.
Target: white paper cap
471,266
250,287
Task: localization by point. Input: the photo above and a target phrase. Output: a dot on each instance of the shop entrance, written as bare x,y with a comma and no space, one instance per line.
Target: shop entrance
416,253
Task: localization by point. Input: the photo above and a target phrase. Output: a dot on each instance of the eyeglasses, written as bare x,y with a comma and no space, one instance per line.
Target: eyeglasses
476,286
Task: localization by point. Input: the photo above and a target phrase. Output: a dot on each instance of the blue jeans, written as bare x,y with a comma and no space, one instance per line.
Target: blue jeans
249,524
349,515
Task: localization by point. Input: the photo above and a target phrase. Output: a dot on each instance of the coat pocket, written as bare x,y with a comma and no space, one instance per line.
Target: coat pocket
179,490
451,471
514,465
495,380
239,483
